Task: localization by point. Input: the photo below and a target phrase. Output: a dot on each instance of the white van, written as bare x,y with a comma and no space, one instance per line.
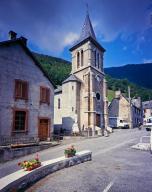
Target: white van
116,122
148,123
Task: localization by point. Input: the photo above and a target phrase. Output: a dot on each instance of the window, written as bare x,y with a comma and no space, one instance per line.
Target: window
20,120
78,60
72,108
21,89
98,96
95,58
101,59
59,103
98,60
82,58
44,95
72,87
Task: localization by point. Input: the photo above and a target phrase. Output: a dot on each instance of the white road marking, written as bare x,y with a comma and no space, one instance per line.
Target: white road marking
108,186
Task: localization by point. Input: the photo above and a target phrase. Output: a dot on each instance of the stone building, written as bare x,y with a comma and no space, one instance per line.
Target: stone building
147,109
26,92
122,108
81,103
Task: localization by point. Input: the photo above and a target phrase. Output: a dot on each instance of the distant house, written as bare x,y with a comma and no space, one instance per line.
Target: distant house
120,107
147,109
26,92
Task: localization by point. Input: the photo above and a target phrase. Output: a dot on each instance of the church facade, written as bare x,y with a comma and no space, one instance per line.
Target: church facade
81,102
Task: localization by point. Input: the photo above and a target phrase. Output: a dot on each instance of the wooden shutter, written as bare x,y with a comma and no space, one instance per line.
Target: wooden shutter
44,95
25,90
48,96
21,89
17,89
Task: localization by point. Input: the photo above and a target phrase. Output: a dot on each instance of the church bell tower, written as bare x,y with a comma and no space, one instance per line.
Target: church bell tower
87,66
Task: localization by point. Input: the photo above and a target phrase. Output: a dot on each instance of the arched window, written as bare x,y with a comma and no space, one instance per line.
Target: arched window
59,103
81,58
98,96
101,58
78,60
95,64
98,60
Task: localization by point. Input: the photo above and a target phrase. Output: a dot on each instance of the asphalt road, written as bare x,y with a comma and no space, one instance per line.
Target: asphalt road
115,167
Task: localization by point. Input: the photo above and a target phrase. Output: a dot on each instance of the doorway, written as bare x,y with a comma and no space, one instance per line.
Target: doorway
43,132
98,120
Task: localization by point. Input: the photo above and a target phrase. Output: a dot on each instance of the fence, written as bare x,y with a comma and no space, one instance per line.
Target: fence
7,140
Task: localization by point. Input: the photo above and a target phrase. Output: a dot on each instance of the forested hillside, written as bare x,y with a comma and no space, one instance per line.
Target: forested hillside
59,69
122,84
140,74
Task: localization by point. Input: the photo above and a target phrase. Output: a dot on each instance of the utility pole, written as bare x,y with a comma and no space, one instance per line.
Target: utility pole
130,109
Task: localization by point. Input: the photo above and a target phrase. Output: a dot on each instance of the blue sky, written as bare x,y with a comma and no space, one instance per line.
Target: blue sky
122,27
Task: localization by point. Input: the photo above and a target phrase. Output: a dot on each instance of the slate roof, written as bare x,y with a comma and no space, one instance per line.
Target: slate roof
29,53
58,90
87,29
87,33
72,77
147,104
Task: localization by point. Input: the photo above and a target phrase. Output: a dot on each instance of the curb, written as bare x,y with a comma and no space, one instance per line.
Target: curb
22,179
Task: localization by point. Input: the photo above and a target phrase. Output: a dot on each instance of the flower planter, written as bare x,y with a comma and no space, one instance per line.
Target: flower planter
33,167
31,164
69,155
70,152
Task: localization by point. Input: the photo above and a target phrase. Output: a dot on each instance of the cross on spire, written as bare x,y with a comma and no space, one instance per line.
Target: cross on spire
87,8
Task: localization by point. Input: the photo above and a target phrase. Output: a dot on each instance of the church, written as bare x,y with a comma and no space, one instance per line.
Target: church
81,103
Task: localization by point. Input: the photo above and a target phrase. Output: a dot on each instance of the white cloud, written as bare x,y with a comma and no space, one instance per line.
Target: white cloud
70,38
147,60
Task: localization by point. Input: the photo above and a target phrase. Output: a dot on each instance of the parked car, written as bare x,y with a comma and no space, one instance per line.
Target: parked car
148,123
116,122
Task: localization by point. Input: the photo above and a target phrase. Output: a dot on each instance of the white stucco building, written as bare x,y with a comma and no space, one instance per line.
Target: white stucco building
81,102
26,92
147,109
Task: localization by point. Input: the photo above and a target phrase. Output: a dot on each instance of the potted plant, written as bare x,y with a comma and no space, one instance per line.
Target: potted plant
70,151
31,164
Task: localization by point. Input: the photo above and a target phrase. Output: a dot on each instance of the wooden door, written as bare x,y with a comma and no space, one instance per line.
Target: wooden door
98,120
43,129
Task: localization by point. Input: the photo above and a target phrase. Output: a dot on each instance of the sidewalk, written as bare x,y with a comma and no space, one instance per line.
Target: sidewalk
53,152
94,144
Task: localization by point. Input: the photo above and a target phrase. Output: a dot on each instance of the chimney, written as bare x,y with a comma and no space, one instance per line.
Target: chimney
117,94
12,35
24,40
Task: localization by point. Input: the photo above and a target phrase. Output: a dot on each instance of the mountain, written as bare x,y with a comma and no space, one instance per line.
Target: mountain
140,74
59,69
122,84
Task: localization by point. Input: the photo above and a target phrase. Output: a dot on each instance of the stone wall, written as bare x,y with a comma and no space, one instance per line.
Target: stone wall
22,179
8,153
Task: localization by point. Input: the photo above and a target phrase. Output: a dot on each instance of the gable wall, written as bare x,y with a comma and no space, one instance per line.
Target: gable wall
16,64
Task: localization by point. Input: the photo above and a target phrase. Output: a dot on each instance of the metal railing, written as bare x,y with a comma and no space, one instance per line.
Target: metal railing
8,140
31,139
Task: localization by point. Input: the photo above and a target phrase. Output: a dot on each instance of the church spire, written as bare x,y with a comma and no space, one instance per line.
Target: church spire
87,33
87,29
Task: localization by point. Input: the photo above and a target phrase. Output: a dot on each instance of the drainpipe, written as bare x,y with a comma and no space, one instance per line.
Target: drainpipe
151,141
130,109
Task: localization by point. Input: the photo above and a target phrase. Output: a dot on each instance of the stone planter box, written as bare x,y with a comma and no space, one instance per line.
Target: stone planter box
22,179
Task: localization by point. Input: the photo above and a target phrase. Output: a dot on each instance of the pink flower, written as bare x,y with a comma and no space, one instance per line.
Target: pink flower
37,157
